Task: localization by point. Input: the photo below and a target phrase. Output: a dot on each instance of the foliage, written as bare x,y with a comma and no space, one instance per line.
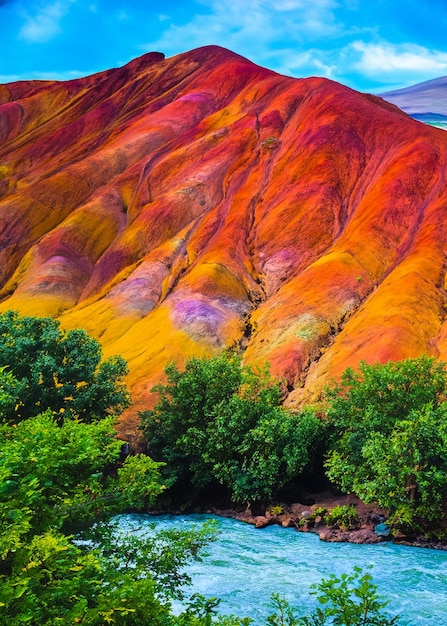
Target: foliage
276,509
58,370
139,480
256,447
408,469
390,438
201,611
177,428
121,580
61,478
348,600
219,421
8,391
343,516
284,615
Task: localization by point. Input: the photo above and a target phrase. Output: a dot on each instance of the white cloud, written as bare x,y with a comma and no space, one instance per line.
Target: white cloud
303,63
376,59
302,5
45,23
260,25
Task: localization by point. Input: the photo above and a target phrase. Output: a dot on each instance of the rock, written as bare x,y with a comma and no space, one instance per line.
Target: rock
332,535
288,522
382,530
364,535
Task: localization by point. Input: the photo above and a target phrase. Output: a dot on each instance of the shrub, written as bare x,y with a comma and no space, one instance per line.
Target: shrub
344,517
221,422
57,370
389,425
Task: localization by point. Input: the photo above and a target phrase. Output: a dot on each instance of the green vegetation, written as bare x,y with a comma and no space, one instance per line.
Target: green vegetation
217,423
62,479
56,481
348,600
56,370
270,143
389,427
220,422
343,516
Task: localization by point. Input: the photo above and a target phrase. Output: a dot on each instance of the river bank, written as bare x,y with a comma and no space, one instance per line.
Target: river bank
369,528
245,565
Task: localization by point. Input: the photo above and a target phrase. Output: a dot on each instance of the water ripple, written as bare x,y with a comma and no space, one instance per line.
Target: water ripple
245,565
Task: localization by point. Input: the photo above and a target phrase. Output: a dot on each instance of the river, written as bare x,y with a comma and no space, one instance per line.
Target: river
245,565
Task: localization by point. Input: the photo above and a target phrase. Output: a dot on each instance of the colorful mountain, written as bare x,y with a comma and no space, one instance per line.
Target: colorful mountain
175,207
426,102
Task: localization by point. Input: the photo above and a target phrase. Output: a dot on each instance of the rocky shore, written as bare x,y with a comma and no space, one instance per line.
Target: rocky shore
368,527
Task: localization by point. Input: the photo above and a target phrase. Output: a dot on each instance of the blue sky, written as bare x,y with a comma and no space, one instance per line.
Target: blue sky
370,45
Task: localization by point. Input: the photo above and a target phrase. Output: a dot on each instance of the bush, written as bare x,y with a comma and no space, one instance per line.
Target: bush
344,517
389,425
57,370
221,422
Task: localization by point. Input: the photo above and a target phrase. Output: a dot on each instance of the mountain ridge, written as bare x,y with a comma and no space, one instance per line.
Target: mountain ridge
424,101
175,207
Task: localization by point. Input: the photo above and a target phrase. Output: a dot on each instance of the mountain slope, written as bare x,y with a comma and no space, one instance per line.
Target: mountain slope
178,206
425,101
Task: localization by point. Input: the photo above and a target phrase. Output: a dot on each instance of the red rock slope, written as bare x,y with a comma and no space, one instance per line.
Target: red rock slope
177,206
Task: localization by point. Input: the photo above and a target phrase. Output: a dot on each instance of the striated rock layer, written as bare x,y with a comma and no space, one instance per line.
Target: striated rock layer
178,206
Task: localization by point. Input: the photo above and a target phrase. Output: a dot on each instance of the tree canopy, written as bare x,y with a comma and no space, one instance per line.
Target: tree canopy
58,482
389,426
220,421
58,370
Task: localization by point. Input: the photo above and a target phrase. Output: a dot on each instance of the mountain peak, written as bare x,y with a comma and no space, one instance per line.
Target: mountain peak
178,206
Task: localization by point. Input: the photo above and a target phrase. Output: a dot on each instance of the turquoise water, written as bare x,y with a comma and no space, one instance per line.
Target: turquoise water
245,565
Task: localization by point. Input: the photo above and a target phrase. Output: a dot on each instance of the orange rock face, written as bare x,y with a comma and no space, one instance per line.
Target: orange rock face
174,207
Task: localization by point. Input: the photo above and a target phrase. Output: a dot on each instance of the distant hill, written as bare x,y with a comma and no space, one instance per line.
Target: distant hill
176,207
425,101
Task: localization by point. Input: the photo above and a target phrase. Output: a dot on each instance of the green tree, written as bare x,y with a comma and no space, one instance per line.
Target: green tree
256,447
63,478
389,438
62,561
221,422
408,469
58,370
56,482
178,427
